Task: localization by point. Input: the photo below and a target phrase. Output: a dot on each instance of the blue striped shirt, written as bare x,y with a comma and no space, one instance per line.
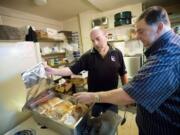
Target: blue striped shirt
156,88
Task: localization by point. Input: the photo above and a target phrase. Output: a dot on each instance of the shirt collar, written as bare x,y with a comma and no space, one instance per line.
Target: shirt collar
159,43
111,48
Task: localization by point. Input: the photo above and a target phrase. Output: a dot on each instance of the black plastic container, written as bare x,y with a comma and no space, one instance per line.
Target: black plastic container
122,18
124,14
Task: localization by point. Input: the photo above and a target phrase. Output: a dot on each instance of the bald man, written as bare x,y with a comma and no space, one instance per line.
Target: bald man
104,65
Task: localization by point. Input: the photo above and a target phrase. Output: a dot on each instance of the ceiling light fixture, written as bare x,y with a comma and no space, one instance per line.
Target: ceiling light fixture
40,2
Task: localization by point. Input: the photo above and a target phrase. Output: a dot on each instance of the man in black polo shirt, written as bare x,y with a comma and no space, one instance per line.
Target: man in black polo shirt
104,65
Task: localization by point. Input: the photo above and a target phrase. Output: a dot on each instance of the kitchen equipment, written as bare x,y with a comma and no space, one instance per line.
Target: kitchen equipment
133,64
133,48
46,94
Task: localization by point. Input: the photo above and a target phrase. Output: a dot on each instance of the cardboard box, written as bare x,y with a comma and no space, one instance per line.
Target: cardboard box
79,81
41,34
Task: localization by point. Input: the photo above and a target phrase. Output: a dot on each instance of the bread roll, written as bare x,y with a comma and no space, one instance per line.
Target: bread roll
46,107
63,107
54,101
43,108
54,114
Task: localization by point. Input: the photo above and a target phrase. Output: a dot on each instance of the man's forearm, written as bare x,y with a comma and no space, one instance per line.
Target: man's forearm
63,71
117,96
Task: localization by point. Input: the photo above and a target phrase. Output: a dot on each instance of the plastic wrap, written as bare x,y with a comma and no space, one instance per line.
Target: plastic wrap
34,75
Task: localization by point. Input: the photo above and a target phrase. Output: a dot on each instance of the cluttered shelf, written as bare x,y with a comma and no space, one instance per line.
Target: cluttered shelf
50,35
57,64
54,54
55,59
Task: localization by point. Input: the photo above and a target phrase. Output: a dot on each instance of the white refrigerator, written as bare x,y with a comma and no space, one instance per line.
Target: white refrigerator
15,57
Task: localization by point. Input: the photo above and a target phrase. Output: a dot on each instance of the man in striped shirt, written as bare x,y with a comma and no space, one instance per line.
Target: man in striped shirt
156,87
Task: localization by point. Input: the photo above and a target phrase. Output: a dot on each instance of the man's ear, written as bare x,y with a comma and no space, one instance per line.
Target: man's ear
160,27
106,34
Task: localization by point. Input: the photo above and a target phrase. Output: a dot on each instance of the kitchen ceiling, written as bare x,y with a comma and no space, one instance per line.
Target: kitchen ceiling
54,9
104,5
65,9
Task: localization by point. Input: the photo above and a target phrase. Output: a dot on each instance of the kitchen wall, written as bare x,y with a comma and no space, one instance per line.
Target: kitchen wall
86,18
20,19
85,25
13,94
73,24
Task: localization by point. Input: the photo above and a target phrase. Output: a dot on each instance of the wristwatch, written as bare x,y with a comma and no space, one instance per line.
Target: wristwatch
97,98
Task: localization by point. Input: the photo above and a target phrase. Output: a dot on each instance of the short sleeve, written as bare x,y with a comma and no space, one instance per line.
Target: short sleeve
122,69
81,64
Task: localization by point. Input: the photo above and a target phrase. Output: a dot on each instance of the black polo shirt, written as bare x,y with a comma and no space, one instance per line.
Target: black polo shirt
102,72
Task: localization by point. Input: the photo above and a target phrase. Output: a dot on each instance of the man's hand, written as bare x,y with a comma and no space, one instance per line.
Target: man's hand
49,70
85,97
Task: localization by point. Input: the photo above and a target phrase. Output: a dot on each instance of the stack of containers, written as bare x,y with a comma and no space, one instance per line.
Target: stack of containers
122,18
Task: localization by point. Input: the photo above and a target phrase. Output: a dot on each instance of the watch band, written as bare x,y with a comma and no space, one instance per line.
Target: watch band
97,98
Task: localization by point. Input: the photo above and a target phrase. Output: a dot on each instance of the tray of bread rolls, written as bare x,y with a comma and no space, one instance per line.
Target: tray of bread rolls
59,112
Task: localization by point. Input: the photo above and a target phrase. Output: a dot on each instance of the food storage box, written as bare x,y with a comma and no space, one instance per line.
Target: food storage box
41,34
50,108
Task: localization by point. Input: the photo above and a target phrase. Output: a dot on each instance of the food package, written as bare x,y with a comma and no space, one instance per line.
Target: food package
78,81
51,32
63,86
41,34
